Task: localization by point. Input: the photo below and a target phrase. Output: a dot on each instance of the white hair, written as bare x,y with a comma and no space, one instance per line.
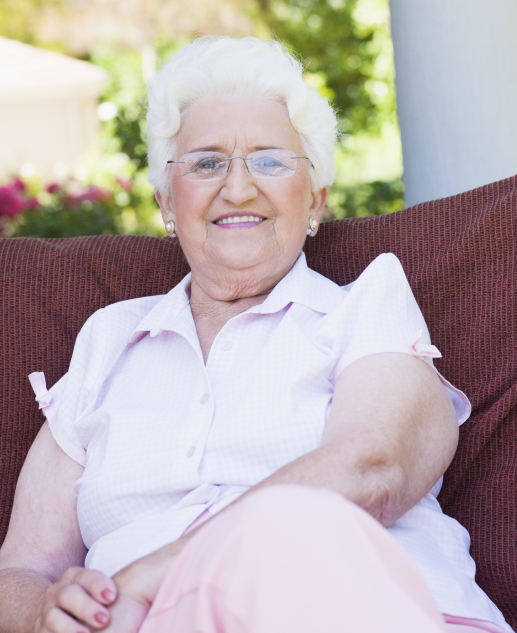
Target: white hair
223,66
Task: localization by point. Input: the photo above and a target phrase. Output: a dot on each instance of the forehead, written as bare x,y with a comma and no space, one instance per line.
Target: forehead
227,123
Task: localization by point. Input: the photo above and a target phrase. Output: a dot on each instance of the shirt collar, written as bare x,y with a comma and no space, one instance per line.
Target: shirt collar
301,285
304,286
165,313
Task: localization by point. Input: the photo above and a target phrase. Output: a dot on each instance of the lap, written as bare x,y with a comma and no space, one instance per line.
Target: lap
289,558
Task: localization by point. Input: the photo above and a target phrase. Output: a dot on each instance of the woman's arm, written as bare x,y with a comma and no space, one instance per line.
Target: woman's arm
391,433
42,543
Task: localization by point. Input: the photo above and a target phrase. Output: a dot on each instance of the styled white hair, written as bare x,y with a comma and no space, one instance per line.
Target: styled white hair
223,66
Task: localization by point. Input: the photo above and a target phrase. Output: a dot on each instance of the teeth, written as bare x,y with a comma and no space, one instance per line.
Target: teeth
239,218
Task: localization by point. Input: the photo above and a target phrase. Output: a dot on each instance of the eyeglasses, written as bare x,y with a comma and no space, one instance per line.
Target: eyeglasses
267,163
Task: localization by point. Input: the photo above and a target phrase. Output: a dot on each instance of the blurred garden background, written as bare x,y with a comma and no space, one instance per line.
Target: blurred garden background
347,48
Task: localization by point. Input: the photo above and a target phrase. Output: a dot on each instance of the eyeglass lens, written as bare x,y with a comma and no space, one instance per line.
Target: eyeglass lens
272,163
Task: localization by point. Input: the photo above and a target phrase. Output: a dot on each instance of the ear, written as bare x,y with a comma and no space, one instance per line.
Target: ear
318,205
165,204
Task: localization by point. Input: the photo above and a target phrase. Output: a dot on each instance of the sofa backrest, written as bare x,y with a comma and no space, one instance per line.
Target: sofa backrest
460,257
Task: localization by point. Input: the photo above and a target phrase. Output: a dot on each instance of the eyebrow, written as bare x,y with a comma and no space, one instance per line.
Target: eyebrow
218,148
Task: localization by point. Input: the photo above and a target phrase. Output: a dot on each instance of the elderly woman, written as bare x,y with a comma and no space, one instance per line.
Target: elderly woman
258,450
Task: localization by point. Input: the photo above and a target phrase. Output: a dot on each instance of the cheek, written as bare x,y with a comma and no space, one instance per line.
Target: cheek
189,202
295,201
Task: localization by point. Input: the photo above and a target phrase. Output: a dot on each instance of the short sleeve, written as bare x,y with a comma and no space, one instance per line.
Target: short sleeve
74,394
379,314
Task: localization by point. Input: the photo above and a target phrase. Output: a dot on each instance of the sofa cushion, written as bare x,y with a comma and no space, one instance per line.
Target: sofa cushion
460,257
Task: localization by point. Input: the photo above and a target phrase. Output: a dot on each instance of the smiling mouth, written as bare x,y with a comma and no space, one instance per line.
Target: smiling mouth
240,219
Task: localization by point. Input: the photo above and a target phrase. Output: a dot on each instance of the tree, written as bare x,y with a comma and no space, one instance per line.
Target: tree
346,46
336,49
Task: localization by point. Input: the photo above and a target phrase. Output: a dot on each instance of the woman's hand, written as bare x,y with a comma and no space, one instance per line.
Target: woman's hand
127,614
85,600
137,586
78,602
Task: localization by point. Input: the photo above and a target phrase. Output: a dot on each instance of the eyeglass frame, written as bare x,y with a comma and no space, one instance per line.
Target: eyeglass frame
244,158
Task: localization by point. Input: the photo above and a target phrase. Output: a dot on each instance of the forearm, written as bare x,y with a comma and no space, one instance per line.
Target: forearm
22,592
378,488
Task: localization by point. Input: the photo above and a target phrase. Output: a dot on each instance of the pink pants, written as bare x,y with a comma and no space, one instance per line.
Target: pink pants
291,559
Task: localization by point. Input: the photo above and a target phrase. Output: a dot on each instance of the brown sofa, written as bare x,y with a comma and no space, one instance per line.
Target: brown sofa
460,256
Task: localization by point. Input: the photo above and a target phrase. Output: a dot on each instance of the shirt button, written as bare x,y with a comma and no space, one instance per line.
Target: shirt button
191,451
226,346
204,398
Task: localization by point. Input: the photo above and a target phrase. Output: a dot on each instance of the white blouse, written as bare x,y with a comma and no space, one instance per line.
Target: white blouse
164,438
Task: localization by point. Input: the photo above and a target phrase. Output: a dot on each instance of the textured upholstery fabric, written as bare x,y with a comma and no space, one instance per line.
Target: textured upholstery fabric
460,257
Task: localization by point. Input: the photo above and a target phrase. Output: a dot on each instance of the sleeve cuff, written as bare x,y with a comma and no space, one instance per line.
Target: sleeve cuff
459,400
73,451
49,410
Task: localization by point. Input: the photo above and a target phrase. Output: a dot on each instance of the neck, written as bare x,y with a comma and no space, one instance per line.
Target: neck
215,299
211,315
204,306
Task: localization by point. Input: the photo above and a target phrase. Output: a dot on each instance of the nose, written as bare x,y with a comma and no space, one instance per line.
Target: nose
238,186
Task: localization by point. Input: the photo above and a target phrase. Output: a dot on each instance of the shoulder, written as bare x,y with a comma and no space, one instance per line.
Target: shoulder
107,331
103,337
136,308
123,316
383,272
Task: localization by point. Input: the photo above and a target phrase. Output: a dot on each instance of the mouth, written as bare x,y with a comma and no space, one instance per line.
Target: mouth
239,221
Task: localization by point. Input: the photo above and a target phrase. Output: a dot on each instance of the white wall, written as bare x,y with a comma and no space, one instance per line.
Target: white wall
456,79
47,134
48,109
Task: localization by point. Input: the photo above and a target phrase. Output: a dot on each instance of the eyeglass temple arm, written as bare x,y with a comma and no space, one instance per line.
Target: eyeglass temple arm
306,158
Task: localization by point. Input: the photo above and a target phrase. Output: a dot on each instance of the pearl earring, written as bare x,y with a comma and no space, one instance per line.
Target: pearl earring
313,225
170,227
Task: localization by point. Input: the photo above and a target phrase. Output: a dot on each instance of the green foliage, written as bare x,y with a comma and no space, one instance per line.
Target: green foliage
363,199
91,212
127,90
73,209
346,47
17,18
345,57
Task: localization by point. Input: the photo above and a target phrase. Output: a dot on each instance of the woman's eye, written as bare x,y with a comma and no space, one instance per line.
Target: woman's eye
268,163
209,164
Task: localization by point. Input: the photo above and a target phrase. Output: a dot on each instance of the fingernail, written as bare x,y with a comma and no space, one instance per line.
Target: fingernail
101,617
109,595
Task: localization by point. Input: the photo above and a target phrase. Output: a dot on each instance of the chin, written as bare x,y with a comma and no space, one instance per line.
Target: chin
240,257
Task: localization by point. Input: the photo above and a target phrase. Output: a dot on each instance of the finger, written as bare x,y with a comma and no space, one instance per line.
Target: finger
98,585
57,621
73,599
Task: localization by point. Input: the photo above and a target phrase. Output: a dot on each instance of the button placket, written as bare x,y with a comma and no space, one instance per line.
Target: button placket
201,435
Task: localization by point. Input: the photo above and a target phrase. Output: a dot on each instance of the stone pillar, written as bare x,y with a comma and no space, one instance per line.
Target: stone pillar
456,80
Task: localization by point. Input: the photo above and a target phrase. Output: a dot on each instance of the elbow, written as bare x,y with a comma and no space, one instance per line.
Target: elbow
382,494
379,485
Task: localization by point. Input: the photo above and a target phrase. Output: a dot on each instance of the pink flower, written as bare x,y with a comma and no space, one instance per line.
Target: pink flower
32,203
72,201
97,193
11,202
93,194
125,183
18,185
53,188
